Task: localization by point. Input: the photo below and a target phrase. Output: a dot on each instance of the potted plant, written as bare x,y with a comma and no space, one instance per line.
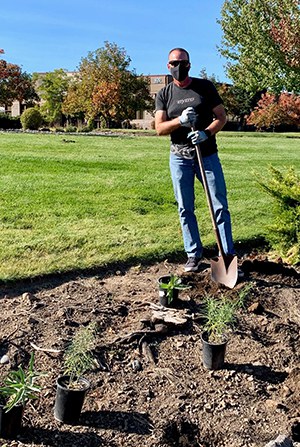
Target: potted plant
169,286
18,388
219,316
72,386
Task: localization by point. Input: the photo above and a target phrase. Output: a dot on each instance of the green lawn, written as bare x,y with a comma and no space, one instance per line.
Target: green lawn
99,199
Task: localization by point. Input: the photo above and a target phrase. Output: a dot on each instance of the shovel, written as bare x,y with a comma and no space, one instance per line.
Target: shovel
224,267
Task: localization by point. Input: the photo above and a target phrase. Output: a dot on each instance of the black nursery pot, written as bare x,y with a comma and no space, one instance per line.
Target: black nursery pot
11,421
163,299
69,402
213,354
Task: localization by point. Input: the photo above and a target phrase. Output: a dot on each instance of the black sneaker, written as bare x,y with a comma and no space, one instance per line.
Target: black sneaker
192,264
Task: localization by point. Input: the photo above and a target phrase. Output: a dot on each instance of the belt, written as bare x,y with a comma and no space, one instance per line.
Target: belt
183,150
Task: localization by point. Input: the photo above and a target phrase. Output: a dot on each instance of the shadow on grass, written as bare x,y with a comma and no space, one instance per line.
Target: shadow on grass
14,287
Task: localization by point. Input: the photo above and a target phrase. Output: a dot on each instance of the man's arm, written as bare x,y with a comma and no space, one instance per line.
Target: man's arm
220,120
199,136
164,126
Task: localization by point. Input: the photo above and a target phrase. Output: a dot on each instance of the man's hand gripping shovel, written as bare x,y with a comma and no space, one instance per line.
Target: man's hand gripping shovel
224,269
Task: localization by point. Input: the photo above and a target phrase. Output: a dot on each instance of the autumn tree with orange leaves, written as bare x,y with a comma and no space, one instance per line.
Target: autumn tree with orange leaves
105,88
106,97
14,84
273,111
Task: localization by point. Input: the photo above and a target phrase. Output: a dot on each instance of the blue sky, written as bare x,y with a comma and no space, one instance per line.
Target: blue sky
43,35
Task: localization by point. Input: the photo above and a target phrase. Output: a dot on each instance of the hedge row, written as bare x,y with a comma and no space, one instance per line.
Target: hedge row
9,122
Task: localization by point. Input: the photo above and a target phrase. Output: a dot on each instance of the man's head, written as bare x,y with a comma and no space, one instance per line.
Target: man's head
186,55
179,64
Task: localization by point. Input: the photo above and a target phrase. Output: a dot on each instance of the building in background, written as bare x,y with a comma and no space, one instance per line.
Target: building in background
143,119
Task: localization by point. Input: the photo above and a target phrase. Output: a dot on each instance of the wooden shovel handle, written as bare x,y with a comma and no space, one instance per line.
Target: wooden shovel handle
208,198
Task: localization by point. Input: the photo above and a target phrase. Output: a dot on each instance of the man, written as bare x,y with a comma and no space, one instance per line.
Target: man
184,103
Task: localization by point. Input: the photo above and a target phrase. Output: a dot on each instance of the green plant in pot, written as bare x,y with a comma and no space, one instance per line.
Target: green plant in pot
72,386
220,315
18,388
169,285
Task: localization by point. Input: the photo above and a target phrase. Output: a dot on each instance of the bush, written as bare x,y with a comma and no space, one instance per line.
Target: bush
9,122
91,124
84,129
31,119
59,129
70,129
102,123
284,233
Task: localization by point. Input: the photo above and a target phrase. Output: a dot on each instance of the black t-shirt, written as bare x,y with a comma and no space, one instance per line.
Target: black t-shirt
200,94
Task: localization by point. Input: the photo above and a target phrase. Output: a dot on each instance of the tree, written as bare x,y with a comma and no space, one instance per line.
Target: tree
15,84
52,88
237,102
273,111
261,55
213,78
72,105
105,87
105,99
285,32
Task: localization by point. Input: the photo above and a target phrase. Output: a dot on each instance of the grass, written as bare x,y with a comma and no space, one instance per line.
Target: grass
99,199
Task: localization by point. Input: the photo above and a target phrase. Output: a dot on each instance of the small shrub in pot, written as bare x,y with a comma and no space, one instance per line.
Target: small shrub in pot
18,388
72,386
220,315
169,285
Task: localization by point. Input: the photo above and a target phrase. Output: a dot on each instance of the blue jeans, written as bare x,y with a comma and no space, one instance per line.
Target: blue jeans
183,173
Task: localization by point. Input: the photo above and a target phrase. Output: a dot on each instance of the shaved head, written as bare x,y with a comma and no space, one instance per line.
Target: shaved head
181,50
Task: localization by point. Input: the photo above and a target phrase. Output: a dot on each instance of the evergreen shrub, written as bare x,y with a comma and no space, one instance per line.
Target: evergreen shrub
31,119
9,122
284,233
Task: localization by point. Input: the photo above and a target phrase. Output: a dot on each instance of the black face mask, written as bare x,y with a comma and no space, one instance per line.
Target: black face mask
180,72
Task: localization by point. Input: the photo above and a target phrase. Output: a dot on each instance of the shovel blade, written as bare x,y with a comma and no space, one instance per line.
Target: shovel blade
224,270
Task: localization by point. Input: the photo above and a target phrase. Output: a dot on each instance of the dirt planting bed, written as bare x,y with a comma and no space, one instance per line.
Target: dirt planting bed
170,399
